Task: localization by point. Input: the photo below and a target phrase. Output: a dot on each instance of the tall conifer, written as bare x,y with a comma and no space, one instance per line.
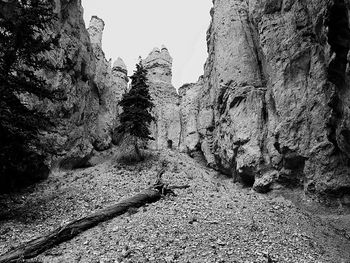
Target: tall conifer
22,43
137,104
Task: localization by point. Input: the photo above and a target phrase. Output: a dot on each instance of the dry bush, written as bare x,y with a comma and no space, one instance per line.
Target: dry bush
127,153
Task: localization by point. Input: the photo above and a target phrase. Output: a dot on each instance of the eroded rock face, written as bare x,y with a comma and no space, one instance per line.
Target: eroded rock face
189,107
166,129
111,84
276,96
86,96
69,143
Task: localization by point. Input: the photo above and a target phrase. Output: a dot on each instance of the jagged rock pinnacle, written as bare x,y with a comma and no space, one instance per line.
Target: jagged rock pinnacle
155,50
166,129
159,56
119,65
95,30
159,65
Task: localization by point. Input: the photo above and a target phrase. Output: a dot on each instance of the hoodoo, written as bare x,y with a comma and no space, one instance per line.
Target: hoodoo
166,129
111,84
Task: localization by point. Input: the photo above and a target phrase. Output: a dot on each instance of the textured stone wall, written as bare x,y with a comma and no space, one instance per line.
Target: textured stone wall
274,107
111,84
189,107
87,111
69,143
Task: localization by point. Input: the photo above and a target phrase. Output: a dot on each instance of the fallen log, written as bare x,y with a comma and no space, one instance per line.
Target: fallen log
39,245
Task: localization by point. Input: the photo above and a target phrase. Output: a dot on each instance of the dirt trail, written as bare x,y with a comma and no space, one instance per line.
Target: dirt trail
212,221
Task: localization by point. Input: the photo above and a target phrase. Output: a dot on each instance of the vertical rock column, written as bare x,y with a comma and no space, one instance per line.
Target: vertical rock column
166,129
230,119
189,108
111,84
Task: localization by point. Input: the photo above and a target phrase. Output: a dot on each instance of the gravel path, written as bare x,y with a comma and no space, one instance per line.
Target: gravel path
212,221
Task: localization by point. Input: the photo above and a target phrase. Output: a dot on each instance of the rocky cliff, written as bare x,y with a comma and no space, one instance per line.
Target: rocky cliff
69,143
274,107
111,84
86,114
189,108
166,129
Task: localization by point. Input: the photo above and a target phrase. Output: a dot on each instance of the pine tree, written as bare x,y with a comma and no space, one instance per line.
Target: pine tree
22,42
137,104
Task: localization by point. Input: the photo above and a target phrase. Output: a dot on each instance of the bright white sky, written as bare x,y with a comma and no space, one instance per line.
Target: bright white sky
134,27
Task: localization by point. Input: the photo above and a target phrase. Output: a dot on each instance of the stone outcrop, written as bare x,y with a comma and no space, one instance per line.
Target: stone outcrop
69,143
87,111
119,80
189,108
111,84
274,106
166,129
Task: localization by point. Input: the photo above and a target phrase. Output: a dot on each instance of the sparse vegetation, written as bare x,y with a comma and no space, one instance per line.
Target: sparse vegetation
126,153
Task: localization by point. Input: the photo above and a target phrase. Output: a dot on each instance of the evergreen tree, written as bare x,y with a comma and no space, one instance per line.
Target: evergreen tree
136,104
22,42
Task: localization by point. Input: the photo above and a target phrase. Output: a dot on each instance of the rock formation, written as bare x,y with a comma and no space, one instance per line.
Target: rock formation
166,129
189,108
88,112
111,84
69,143
274,107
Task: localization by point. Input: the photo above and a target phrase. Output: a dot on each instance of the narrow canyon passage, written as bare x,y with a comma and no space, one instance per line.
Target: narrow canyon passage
261,136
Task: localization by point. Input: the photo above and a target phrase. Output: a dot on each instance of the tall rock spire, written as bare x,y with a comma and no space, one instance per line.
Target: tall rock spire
166,129
96,27
119,65
119,79
159,65
111,84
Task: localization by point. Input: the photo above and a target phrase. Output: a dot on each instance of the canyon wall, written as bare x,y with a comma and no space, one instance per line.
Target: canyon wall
86,114
87,118
92,87
275,103
64,137
272,108
68,143
189,108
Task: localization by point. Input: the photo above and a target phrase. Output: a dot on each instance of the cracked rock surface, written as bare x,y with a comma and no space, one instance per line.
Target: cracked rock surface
275,94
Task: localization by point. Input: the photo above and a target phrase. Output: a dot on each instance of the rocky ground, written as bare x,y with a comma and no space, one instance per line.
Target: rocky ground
212,221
